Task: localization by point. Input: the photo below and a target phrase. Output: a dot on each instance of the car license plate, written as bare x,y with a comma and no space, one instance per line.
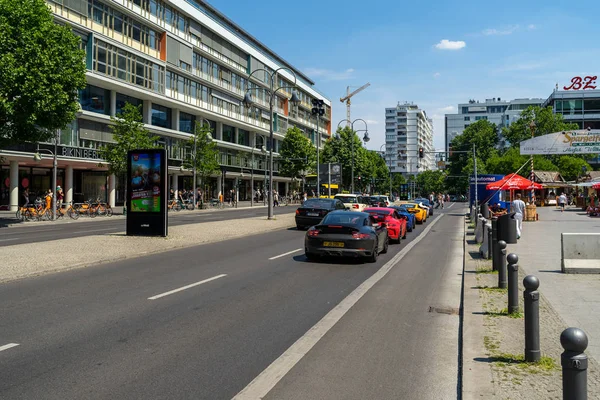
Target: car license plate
312,214
333,244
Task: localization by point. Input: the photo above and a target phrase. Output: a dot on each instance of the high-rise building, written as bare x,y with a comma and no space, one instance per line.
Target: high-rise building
181,61
407,130
502,113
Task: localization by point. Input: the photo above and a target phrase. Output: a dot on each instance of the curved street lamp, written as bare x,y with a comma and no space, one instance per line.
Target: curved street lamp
272,92
365,139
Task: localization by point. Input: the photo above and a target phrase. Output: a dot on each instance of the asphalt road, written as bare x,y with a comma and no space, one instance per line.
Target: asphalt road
124,331
33,232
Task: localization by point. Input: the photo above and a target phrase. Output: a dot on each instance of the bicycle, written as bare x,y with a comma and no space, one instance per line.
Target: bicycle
174,205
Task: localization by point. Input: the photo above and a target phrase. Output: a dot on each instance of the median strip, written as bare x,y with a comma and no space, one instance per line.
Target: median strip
8,346
285,254
158,296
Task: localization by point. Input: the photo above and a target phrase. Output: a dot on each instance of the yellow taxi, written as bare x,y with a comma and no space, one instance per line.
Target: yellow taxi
419,211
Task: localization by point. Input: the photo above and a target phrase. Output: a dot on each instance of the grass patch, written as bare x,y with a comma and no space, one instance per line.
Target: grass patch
515,315
471,226
546,364
490,344
485,271
492,289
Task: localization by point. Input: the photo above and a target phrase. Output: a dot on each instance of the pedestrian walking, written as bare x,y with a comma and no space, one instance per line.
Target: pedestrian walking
275,198
26,197
518,207
60,195
562,200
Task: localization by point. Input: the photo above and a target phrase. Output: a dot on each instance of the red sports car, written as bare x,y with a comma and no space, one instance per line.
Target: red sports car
396,224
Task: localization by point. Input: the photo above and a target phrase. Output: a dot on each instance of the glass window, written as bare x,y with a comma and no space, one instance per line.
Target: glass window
122,99
153,7
161,116
592,105
228,133
181,23
186,122
95,99
243,137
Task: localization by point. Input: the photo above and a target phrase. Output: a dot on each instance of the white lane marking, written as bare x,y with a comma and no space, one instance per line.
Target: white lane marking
6,240
203,215
8,346
266,380
97,230
158,296
285,254
450,206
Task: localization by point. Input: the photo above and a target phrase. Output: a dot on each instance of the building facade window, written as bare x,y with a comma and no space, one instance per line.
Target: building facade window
243,137
112,61
161,116
123,99
228,133
467,118
186,122
95,99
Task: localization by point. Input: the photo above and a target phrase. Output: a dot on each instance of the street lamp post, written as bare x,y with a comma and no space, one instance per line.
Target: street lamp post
532,176
317,111
38,157
390,167
263,150
272,92
365,139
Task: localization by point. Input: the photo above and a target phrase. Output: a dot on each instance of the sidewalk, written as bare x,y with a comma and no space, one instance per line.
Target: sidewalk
493,341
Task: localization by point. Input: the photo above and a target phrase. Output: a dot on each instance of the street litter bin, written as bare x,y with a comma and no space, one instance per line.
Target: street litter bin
507,228
485,210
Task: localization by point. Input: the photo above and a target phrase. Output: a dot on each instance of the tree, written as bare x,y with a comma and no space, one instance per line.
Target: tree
297,153
41,70
376,171
545,122
205,160
512,160
571,167
128,133
431,181
340,151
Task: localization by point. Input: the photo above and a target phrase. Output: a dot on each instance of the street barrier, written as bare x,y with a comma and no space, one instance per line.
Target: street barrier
574,364
580,253
513,284
479,229
494,244
484,249
531,297
489,241
501,264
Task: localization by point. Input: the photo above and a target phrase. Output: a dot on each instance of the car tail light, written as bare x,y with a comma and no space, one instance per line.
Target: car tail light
358,235
297,212
313,232
355,206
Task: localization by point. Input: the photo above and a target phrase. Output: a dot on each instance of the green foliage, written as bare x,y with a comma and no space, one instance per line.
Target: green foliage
512,160
376,172
41,70
431,181
128,133
205,159
545,122
570,167
297,153
340,151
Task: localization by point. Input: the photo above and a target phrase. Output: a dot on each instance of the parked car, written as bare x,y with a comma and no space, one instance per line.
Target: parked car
372,201
346,234
312,211
395,224
426,203
352,202
411,220
420,212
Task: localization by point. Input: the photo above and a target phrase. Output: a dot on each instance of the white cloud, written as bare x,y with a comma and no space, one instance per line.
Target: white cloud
447,109
495,32
372,121
328,74
531,27
437,75
446,44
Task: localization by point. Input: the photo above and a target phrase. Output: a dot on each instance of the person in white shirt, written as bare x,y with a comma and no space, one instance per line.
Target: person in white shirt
562,200
518,207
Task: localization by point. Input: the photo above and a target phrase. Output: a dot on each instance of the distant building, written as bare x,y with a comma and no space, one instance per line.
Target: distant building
500,112
579,106
407,129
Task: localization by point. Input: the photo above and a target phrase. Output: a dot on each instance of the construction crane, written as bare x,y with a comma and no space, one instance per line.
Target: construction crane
347,100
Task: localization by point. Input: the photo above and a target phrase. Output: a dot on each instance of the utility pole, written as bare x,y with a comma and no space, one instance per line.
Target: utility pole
475,167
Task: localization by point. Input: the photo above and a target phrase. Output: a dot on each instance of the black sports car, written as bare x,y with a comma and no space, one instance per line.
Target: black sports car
312,211
347,234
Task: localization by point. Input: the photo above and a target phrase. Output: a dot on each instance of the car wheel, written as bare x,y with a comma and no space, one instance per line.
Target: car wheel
404,237
386,245
410,229
311,257
300,228
375,254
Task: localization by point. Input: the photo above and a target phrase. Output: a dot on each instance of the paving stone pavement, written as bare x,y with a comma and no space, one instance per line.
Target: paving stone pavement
500,343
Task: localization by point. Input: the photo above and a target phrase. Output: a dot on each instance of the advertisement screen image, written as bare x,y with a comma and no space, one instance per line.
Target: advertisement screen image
145,182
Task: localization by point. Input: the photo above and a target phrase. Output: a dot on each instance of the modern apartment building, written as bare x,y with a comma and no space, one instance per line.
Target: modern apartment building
497,111
579,106
407,129
180,60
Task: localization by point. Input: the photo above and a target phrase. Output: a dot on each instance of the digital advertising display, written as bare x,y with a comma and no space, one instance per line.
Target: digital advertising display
145,181
147,192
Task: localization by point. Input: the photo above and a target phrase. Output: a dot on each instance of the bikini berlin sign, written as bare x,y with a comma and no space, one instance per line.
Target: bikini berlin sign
567,142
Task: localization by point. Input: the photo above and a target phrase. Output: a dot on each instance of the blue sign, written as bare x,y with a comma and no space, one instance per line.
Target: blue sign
484,195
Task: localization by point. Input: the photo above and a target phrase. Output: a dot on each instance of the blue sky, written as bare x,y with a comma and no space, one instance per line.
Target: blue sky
436,56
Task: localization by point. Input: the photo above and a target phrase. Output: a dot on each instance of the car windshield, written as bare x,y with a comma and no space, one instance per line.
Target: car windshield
378,214
343,218
347,199
317,203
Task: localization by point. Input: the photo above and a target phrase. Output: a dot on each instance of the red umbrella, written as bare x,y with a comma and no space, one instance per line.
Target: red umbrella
596,186
513,182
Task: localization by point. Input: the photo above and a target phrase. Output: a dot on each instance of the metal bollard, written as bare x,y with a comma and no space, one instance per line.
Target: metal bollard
574,364
494,244
532,318
489,249
502,264
513,284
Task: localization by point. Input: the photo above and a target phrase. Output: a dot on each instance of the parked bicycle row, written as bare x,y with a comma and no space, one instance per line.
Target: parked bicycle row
41,210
